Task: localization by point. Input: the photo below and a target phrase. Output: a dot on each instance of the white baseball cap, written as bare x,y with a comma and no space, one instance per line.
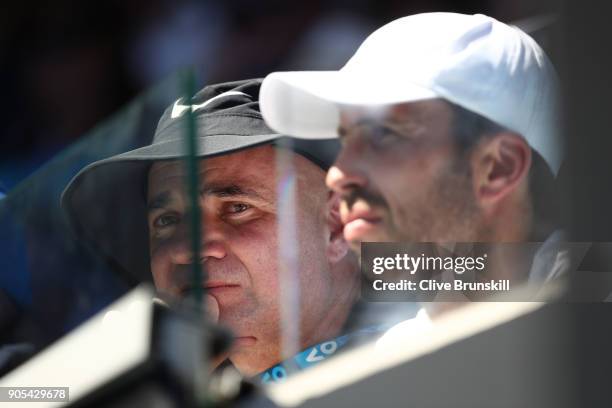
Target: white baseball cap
474,61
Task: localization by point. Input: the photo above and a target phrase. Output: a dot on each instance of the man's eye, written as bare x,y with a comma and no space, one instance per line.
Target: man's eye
165,220
237,208
381,136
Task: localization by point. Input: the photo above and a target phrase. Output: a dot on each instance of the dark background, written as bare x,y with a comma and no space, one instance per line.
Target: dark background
66,65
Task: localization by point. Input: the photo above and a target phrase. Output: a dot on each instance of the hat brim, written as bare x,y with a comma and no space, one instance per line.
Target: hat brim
106,205
306,104
207,147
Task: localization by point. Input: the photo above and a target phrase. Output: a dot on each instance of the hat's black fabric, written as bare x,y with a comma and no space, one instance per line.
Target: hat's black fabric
105,201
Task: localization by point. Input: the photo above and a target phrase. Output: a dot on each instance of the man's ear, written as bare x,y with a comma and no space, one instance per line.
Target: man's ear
500,165
337,247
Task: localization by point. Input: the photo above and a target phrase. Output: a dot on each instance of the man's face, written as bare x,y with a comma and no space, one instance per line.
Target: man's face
239,246
401,178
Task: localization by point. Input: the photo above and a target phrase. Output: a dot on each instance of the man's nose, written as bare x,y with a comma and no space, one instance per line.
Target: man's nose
213,243
345,175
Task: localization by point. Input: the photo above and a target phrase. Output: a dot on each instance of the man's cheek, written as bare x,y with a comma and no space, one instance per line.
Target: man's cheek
160,269
212,308
401,195
267,285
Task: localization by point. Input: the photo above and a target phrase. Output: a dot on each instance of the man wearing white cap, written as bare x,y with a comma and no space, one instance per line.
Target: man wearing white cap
447,123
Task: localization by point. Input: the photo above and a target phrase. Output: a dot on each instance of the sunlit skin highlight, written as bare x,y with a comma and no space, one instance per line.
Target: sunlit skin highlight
239,249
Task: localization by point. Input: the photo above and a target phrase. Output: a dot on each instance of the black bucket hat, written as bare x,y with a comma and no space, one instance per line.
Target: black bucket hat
105,202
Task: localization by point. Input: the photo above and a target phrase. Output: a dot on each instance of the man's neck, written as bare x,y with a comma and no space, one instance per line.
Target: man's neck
335,319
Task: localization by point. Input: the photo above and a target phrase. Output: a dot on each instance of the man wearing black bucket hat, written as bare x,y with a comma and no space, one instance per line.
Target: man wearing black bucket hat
132,208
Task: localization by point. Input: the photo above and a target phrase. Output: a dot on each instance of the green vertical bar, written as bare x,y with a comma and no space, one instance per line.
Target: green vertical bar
191,143
193,190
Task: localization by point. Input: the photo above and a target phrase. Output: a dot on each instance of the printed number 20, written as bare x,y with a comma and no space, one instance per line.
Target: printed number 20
278,374
326,349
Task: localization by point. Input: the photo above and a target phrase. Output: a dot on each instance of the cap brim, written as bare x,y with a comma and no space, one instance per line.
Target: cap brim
307,104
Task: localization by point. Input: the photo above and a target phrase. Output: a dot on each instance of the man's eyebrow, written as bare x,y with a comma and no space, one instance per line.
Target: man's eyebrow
159,201
162,200
231,190
344,130
404,125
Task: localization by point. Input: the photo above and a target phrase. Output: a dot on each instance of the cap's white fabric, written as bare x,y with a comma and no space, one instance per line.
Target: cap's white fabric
473,61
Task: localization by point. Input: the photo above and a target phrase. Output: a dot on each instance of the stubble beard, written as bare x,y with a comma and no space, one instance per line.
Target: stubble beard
448,213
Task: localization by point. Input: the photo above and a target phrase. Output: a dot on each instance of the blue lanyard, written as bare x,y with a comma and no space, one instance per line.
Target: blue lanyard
312,356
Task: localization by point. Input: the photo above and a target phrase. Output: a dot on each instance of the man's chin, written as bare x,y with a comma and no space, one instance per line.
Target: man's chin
355,243
355,247
251,362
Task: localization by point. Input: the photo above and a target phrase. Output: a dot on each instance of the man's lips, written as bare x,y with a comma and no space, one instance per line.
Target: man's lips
213,288
360,215
243,341
358,224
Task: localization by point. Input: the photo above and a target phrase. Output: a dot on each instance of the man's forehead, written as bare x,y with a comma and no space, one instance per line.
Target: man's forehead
246,169
416,112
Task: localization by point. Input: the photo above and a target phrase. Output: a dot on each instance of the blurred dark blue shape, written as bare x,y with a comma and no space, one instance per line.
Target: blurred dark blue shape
50,281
